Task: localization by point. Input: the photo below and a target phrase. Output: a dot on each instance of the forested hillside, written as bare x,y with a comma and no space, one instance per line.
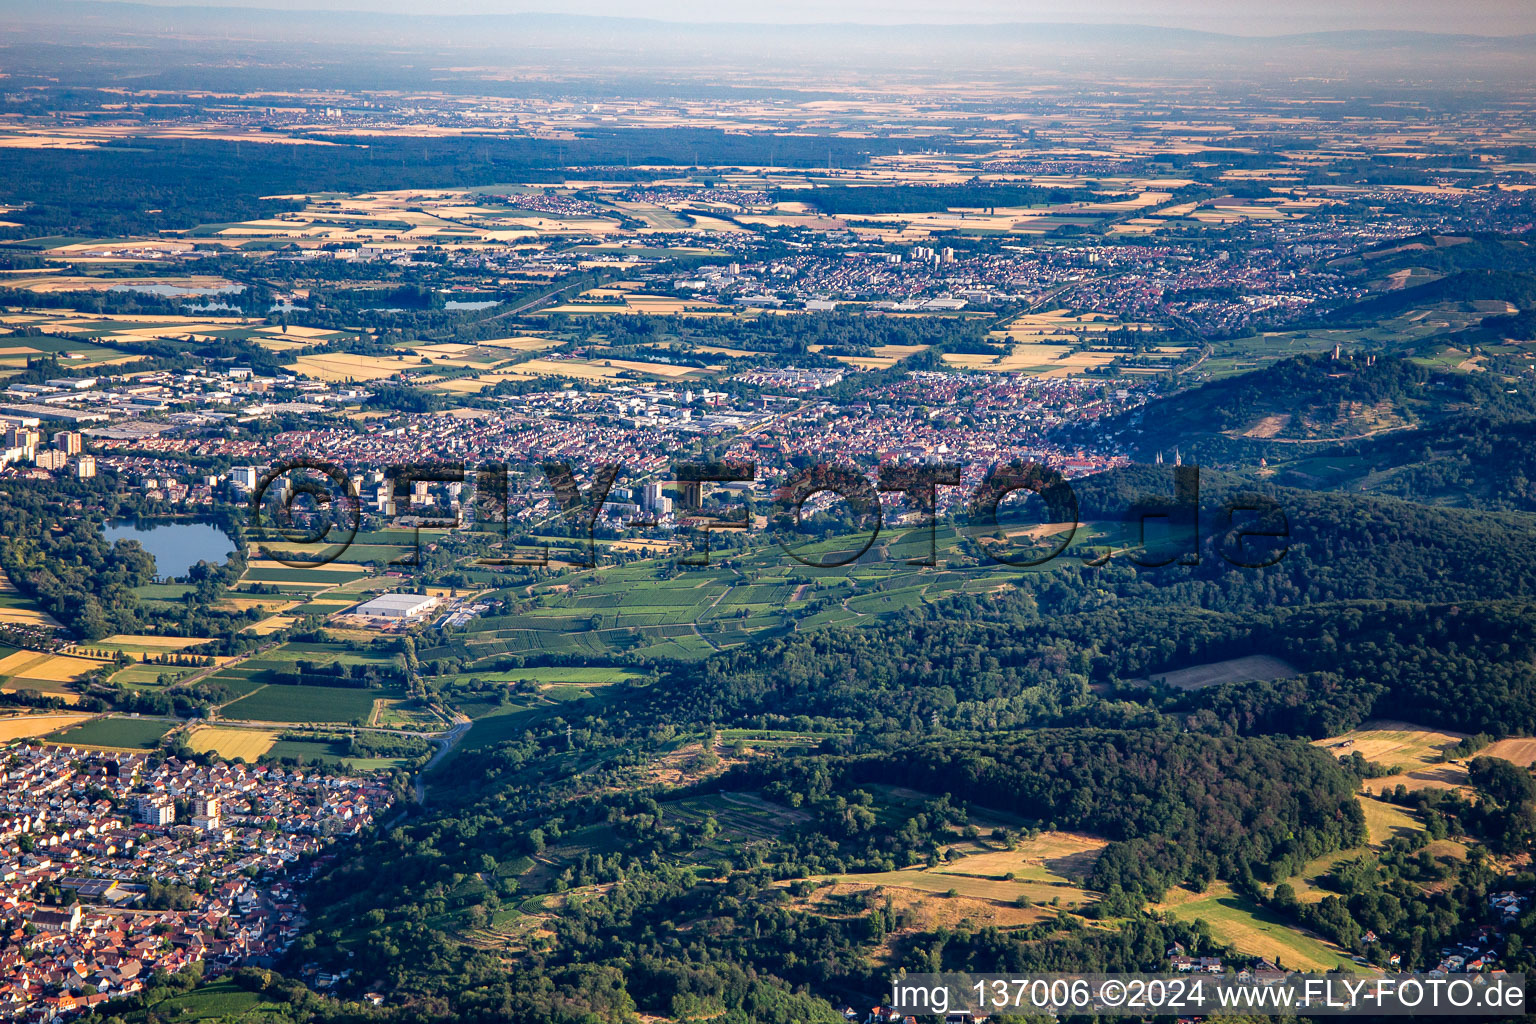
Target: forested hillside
1311,399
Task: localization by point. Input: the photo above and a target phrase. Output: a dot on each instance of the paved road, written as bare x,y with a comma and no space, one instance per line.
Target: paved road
450,740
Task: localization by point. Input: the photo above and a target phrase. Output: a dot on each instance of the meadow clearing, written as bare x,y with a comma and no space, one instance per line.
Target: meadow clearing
1414,752
1253,668
1249,928
1393,743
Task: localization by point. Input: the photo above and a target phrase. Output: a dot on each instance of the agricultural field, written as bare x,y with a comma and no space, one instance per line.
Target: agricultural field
885,356
405,714
225,742
1251,929
297,704
18,610
1517,750
996,890
18,727
1055,858
268,626
140,647
40,670
1394,744
115,732
573,675
341,367
143,677
656,609
1385,822
598,369
1413,751
1416,757
1061,343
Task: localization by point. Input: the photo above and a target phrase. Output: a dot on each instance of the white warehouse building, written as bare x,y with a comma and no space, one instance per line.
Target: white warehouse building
396,606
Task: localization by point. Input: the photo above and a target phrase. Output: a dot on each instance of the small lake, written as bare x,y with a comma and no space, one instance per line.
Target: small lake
171,291
176,547
475,304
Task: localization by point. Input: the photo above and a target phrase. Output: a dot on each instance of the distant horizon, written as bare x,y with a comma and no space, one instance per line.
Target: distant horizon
1490,18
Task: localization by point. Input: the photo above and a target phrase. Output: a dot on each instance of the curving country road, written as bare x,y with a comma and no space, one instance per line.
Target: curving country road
451,738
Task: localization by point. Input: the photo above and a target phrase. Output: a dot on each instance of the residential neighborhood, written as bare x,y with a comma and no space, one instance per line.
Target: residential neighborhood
118,866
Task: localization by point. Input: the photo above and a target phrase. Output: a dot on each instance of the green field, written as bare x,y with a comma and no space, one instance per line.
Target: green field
328,704
308,751
505,722
656,609
143,676
580,675
323,654
129,733
221,1000
163,591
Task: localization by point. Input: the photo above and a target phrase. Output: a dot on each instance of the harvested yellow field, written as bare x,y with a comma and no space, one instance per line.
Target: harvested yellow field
1518,751
1444,776
1035,360
336,567
464,385
43,667
249,744
342,366
26,617
164,643
928,912
655,369
1000,890
655,305
1050,856
1414,751
19,727
61,668
1452,775
606,369
191,285
275,603
266,627
866,362
660,547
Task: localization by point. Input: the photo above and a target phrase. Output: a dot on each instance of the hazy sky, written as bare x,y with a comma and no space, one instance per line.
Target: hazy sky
1488,17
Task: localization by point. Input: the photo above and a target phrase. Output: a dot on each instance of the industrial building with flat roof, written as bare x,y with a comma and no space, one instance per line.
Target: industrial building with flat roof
396,606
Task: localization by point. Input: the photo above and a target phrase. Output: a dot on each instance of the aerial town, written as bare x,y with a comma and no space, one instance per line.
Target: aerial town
116,867
551,520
